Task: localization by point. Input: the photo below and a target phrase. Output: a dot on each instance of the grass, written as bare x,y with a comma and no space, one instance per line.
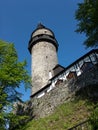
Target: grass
64,117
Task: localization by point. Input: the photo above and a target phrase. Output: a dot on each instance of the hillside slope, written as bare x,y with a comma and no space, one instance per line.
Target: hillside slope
64,117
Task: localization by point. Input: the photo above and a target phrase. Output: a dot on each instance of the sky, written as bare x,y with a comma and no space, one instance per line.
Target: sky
19,18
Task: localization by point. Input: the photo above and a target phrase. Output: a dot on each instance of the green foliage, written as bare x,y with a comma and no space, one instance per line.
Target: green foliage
12,74
87,17
94,119
3,102
2,121
16,121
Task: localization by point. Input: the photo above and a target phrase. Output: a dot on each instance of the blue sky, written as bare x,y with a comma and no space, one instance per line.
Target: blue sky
18,18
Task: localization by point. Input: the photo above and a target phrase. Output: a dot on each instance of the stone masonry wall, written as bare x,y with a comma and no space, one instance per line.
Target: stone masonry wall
44,57
63,92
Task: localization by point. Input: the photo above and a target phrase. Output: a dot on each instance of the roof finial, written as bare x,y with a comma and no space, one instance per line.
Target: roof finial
40,25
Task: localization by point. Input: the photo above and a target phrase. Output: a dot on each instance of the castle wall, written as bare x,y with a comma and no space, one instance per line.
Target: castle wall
64,92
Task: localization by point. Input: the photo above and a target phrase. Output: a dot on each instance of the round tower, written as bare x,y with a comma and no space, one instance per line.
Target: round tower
43,48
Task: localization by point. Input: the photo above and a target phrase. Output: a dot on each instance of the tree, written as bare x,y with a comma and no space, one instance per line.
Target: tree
87,17
12,74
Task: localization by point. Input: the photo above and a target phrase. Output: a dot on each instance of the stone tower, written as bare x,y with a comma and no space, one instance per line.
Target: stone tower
43,48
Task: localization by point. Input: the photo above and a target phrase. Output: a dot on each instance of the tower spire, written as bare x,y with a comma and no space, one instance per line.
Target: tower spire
40,26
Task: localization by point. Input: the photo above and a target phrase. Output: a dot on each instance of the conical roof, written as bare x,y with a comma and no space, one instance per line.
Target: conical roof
40,26
41,33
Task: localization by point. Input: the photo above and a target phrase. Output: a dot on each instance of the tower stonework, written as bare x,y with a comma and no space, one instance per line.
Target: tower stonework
43,48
